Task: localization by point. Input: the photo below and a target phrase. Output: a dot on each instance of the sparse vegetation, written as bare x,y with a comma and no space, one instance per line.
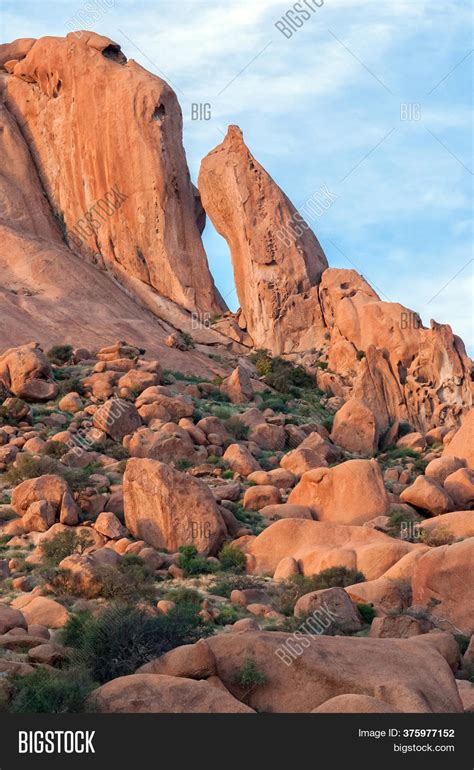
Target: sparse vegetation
123,638
60,354
232,559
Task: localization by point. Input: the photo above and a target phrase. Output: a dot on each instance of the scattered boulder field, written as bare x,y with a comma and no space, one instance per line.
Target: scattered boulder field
270,568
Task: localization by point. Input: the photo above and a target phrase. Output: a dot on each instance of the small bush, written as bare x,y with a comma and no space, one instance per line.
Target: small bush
28,467
60,354
191,563
123,638
280,374
250,676
232,559
13,412
184,596
126,582
237,429
360,355
51,692
367,612
401,521
441,536
64,544
223,586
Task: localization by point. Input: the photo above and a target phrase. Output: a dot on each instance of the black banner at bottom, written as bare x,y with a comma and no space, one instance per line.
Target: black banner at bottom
213,740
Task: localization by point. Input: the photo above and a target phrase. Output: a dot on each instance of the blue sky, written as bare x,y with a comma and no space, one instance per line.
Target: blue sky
323,108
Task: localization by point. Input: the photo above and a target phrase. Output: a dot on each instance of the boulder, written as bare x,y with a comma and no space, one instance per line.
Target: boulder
167,508
27,373
427,495
161,694
319,545
332,607
117,418
462,444
39,517
260,496
238,386
50,488
350,493
302,459
460,488
442,467
397,627
355,704
109,525
400,672
43,611
355,428
193,661
442,582
449,526
286,511
240,460
11,618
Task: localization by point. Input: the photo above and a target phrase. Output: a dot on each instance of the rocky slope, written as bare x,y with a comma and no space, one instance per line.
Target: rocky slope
277,571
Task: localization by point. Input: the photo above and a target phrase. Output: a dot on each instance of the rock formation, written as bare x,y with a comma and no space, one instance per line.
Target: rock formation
106,137
277,259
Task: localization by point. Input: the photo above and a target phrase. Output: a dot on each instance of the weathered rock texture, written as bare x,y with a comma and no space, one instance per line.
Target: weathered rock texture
276,277
106,136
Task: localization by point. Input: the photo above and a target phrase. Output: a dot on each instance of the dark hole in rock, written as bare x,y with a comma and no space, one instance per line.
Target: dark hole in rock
159,112
113,52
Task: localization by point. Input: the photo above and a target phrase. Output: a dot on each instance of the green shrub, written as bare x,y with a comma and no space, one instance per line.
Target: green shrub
64,544
123,638
280,374
227,616
184,596
237,429
51,692
288,593
29,467
70,385
60,354
224,585
191,563
367,611
55,449
232,559
360,355
13,412
222,412
402,520
250,676
126,582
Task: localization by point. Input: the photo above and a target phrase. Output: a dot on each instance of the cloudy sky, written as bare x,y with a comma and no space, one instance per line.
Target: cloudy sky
368,99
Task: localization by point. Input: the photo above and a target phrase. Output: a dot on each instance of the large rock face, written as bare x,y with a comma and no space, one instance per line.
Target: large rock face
304,672
167,508
276,278
128,203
